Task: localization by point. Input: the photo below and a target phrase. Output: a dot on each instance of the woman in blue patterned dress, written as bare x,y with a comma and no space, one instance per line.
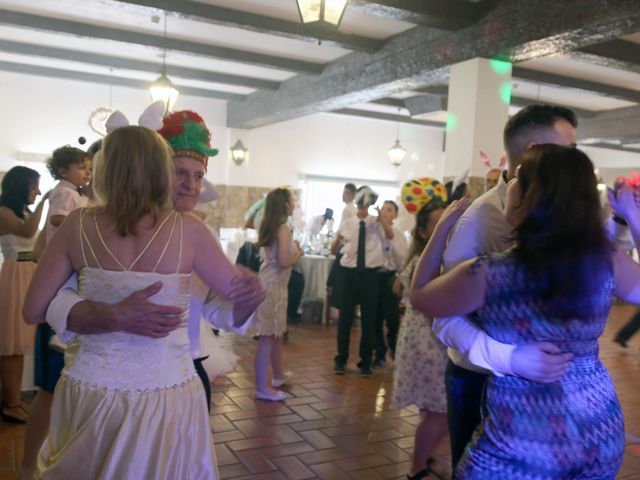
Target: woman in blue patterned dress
555,286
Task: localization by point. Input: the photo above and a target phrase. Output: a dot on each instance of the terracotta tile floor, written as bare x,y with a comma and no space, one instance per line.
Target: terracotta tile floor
339,427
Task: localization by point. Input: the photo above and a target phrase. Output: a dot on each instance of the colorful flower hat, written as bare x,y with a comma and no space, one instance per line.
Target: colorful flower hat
188,135
633,181
416,193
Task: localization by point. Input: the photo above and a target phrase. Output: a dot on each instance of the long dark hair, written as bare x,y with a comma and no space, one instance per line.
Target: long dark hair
422,220
562,240
275,214
15,189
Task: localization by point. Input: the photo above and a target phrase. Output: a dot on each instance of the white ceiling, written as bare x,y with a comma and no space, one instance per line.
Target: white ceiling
135,18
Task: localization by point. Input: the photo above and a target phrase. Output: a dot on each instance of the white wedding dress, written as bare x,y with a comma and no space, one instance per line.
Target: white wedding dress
128,406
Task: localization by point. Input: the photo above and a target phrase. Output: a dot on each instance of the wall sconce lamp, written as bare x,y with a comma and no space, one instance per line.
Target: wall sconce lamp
239,153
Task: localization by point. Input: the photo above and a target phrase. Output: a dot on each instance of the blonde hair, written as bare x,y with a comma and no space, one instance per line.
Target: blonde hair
133,176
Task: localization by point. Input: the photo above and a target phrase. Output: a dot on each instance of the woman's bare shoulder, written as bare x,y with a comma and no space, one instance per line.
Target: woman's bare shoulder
284,229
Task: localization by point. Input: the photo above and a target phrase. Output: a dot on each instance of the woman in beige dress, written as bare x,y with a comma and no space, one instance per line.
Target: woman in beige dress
18,227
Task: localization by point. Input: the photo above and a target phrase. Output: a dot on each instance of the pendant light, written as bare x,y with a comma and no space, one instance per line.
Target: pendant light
321,11
396,153
162,89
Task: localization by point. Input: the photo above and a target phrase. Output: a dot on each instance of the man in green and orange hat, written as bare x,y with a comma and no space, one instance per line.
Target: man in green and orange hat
190,140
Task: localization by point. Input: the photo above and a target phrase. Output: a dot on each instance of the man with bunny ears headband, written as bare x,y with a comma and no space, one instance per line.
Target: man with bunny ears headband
189,137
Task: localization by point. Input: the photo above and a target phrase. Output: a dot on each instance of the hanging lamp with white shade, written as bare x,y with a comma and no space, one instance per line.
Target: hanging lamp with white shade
321,11
396,153
162,89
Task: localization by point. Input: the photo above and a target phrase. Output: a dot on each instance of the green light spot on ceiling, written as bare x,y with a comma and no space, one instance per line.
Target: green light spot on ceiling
500,67
505,92
452,122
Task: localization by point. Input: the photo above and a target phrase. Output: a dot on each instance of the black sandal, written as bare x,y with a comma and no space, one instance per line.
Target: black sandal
421,474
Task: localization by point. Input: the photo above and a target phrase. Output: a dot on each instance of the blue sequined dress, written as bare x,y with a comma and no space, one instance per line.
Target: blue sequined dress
571,429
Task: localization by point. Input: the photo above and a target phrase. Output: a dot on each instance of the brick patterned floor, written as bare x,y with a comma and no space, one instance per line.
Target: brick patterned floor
339,427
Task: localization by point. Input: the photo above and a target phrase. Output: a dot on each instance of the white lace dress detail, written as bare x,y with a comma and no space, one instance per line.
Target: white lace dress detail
129,406
127,361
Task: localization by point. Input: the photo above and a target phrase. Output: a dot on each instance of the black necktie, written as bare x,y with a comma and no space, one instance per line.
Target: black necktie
361,246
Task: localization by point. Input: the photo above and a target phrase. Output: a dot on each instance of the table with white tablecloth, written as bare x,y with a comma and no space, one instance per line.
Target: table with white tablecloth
315,269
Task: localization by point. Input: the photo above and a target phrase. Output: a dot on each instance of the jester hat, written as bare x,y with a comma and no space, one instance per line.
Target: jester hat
188,136
416,193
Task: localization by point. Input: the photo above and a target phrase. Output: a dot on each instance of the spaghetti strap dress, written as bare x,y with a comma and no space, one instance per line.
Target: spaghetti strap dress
129,406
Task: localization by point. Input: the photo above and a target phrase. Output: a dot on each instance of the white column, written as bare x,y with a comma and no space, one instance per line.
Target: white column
478,108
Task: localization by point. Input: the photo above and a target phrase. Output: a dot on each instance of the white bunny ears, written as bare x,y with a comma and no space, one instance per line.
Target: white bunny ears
151,118
460,179
486,161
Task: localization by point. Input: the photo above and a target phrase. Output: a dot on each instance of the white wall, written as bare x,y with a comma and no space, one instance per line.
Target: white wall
337,146
607,158
613,163
40,114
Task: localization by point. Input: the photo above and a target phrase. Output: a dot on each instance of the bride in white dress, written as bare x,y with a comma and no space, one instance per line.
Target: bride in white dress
129,406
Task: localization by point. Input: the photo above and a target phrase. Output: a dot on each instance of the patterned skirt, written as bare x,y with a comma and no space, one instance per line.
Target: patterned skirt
571,429
419,366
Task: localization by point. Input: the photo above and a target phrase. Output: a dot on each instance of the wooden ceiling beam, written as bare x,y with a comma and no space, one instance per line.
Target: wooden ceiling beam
47,52
516,31
576,84
215,15
109,80
442,14
87,30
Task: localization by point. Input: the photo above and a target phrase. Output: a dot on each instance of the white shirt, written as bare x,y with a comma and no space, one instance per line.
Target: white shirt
349,211
395,251
218,311
63,200
317,223
481,228
374,237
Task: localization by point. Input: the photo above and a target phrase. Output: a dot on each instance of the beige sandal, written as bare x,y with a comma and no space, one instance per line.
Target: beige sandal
15,414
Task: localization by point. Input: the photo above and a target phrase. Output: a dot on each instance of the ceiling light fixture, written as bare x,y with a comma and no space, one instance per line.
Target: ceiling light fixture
162,88
321,11
396,153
